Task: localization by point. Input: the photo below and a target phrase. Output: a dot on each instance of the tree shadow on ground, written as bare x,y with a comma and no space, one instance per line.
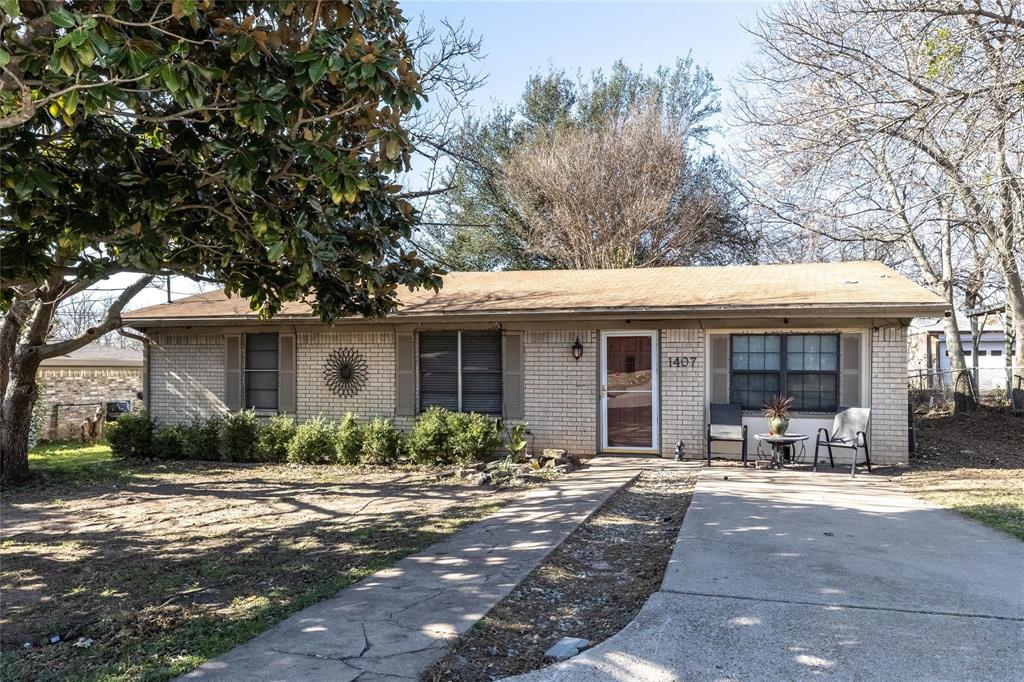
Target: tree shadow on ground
161,574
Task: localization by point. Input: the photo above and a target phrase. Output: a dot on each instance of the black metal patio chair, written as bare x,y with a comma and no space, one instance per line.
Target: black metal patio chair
726,424
849,432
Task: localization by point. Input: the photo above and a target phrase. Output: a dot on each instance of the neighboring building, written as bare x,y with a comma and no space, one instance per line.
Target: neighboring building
73,386
929,353
611,361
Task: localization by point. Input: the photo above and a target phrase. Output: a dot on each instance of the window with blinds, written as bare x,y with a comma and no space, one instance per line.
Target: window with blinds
460,371
439,370
261,371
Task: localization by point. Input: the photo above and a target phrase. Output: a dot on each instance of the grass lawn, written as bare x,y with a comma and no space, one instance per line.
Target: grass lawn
76,464
993,496
152,568
973,464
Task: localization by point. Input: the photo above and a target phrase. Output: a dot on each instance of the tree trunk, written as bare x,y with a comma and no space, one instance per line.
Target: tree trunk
1008,339
16,415
1014,305
977,329
963,400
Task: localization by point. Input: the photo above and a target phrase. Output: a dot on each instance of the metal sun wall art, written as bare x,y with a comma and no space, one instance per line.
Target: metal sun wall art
345,372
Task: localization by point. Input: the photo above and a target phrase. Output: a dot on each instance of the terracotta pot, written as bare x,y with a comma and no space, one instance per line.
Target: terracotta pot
778,425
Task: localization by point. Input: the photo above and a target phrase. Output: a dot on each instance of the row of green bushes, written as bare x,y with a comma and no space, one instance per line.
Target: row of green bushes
438,437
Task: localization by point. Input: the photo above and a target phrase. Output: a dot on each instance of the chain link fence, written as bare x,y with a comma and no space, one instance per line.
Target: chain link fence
935,390
65,421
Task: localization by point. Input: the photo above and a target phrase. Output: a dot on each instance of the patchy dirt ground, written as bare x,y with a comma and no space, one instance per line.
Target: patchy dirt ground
988,438
972,463
590,587
145,578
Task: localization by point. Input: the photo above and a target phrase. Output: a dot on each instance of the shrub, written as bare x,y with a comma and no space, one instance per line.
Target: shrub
313,443
239,435
201,439
473,436
428,442
167,442
274,438
381,442
348,441
516,441
131,435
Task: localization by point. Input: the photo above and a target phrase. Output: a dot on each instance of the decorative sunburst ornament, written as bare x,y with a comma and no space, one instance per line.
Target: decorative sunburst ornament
345,372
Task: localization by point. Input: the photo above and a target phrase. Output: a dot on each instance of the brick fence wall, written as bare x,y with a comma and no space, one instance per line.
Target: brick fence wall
62,385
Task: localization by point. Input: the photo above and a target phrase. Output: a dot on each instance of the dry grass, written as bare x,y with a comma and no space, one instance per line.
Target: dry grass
992,496
973,464
159,567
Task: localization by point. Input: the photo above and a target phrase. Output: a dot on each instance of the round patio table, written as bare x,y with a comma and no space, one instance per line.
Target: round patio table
780,445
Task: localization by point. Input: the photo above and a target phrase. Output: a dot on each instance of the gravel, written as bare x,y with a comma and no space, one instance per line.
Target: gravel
590,587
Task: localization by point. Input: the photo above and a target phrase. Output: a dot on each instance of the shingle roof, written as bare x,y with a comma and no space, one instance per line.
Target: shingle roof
95,355
862,287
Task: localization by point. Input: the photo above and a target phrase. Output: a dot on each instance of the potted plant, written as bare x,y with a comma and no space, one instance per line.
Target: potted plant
777,411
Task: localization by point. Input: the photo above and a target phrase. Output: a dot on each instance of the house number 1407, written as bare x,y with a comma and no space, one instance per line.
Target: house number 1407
682,361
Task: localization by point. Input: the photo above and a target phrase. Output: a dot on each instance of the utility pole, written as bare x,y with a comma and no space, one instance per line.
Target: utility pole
168,280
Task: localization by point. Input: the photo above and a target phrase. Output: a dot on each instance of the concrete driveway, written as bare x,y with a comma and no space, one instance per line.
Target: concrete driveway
797,575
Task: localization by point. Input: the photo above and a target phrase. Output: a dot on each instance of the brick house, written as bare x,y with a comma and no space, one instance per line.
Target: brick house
594,361
73,386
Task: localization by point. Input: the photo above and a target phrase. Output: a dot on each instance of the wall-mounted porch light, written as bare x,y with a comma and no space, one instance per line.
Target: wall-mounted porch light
577,349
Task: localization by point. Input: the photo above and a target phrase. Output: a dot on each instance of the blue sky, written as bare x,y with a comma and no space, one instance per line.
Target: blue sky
521,38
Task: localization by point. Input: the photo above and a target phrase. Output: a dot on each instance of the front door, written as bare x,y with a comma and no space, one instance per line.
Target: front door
629,391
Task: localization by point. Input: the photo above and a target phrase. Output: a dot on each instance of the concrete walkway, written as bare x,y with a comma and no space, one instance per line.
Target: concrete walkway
793,575
394,623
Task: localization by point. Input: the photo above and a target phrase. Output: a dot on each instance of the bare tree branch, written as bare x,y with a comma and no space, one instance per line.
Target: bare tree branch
111,320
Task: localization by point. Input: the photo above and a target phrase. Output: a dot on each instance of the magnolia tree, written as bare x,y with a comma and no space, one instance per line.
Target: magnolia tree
894,130
250,143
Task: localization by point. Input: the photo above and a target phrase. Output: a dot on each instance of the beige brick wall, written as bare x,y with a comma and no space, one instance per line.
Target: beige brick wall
682,391
375,399
561,393
186,378
889,395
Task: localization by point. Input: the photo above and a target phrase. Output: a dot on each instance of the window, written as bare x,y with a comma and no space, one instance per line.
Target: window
805,366
812,371
756,369
995,352
460,371
967,353
261,371
982,352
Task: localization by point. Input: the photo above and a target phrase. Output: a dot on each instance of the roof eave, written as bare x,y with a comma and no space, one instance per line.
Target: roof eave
64,362
901,310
